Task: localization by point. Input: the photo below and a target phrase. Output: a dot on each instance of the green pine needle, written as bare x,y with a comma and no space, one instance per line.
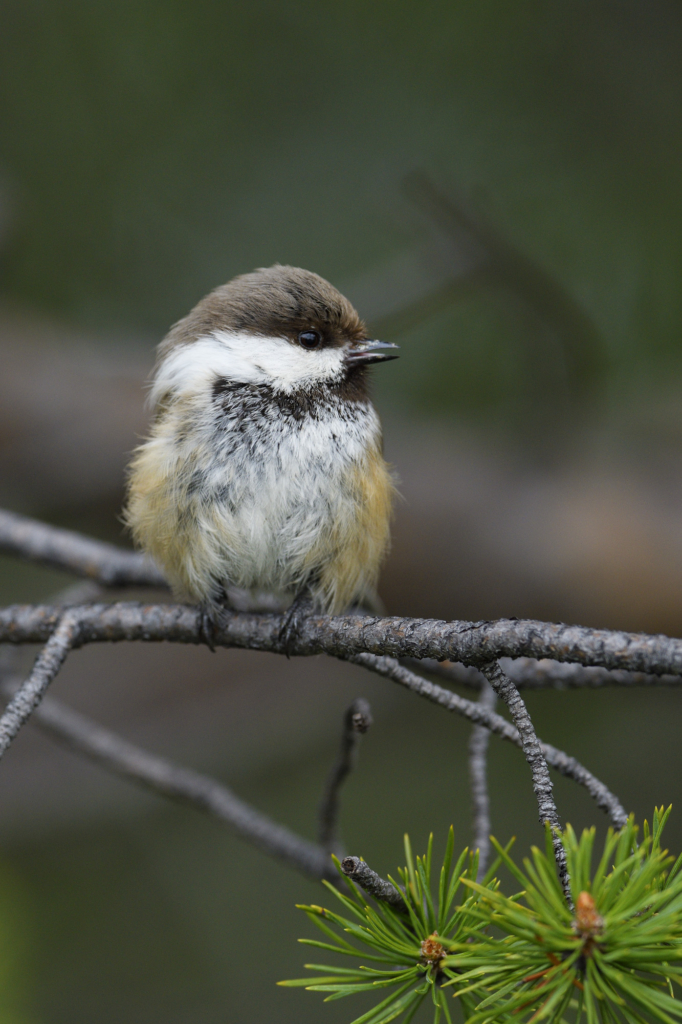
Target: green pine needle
614,959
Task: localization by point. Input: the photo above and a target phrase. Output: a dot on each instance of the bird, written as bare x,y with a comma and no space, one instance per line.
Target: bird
263,471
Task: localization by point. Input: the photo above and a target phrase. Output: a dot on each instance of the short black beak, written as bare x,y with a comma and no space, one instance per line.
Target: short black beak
364,352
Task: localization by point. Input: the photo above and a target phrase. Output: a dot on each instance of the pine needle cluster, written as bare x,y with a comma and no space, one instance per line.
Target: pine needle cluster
415,945
614,957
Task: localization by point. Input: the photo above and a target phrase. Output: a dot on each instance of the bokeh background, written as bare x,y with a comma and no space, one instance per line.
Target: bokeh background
497,187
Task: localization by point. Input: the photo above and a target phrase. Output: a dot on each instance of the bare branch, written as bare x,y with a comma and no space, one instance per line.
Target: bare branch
343,636
475,712
82,592
537,675
166,779
642,660
356,721
542,783
529,674
451,671
64,549
573,769
478,772
540,651
362,874
31,691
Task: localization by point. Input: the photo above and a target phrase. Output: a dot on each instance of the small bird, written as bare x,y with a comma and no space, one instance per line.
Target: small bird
263,471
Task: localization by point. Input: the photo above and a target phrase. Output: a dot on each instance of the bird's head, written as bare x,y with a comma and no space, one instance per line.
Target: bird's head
281,327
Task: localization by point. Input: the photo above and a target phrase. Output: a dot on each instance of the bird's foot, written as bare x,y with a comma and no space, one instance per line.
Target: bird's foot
209,621
294,620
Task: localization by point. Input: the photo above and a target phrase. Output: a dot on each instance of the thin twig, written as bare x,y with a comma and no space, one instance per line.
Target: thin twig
356,722
568,766
166,779
451,671
362,874
478,775
31,691
532,748
343,636
64,549
529,674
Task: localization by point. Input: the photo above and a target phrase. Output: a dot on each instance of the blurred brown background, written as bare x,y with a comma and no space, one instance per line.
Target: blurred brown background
497,188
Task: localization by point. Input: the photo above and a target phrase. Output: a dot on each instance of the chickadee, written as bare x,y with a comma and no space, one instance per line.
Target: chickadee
264,469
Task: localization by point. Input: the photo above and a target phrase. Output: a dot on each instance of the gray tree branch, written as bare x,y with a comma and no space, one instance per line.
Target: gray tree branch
115,567
46,667
478,776
343,636
544,654
164,778
480,715
529,674
542,783
356,722
83,556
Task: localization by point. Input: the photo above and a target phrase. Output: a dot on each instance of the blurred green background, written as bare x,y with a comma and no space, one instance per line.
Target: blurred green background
497,187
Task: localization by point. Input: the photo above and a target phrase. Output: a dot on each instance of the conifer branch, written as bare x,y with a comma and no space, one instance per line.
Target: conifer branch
363,875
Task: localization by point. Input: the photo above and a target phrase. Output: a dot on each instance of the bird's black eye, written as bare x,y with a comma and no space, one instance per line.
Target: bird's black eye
310,339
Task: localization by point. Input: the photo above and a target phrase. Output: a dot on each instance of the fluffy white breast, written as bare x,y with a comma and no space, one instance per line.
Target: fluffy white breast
246,359
250,492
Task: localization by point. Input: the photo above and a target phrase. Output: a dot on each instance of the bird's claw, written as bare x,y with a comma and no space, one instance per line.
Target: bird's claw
207,627
293,622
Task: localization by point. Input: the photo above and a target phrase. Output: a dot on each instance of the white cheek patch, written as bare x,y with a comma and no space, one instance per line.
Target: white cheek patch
246,359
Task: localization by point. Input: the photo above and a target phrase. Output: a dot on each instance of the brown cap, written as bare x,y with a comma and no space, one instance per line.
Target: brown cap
274,301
